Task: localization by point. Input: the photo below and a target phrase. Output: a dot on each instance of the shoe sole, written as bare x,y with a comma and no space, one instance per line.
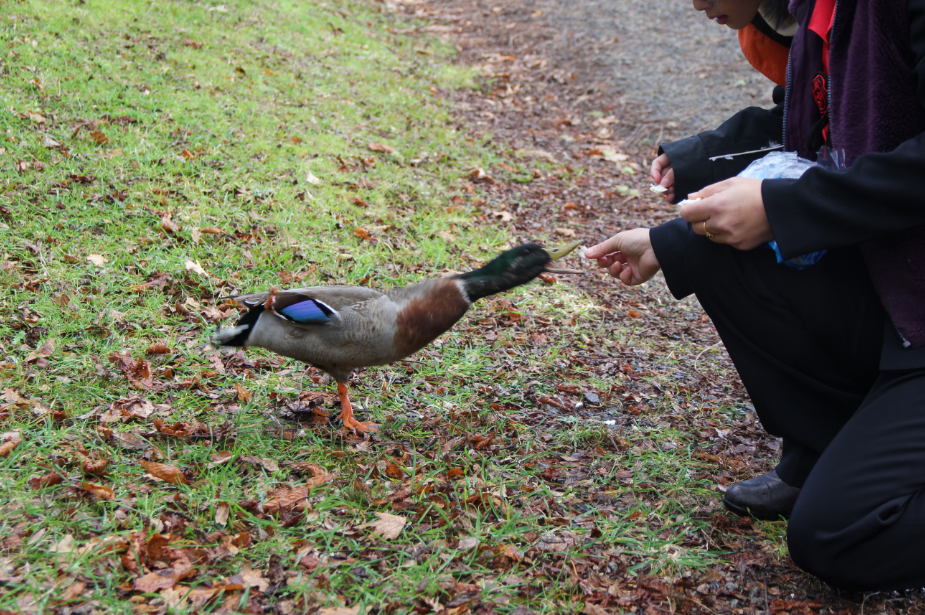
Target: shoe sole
743,511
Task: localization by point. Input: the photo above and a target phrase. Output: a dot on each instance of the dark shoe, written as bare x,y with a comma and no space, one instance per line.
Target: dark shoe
763,497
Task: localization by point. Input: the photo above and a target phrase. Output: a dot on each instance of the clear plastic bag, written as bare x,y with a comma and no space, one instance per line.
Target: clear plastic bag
777,165
787,165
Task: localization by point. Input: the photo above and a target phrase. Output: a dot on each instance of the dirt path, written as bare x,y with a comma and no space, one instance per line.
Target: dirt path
666,67
669,63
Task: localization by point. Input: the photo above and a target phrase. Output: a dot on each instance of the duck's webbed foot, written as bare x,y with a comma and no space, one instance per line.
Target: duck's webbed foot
346,412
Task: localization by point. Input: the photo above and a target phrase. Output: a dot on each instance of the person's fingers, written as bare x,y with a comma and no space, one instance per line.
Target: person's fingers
666,181
696,211
659,168
668,178
708,191
626,276
616,271
608,246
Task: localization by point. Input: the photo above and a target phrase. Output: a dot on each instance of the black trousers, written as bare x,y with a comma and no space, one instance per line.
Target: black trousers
807,345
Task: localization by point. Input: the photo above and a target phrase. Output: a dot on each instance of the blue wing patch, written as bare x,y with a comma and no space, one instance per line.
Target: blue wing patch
306,311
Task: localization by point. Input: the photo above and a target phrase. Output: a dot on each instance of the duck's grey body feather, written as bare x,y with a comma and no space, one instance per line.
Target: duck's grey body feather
366,327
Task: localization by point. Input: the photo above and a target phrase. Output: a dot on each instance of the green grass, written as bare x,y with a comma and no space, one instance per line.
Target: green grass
129,132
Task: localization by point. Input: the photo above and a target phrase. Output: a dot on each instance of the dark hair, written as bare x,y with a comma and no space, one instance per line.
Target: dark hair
777,12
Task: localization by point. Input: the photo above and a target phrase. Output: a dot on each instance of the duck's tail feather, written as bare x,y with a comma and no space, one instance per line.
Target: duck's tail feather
229,336
238,334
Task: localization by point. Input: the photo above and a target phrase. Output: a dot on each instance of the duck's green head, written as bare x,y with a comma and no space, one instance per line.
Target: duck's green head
515,267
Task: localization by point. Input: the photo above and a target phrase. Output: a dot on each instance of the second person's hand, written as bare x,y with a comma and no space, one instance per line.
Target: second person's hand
732,212
663,175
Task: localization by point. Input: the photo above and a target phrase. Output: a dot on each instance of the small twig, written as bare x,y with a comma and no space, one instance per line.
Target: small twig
697,358
695,601
302,380
771,148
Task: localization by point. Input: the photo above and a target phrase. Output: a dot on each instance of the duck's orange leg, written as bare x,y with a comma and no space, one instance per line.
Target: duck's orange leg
346,412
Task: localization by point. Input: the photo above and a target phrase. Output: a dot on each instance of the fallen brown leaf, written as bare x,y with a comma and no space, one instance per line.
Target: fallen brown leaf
169,226
33,117
342,610
381,147
169,473
164,579
362,233
303,467
557,541
479,175
47,349
284,499
94,466
220,458
138,372
12,397
181,596
393,471
388,526
248,577
222,511
99,492
47,480
158,348
195,267
129,440
7,447
64,547
99,138
244,396
484,443
266,463
72,592
469,542
125,409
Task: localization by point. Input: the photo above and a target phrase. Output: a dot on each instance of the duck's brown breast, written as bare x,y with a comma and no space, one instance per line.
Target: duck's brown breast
424,317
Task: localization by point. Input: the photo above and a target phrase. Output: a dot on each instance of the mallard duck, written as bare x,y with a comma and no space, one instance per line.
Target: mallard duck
341,328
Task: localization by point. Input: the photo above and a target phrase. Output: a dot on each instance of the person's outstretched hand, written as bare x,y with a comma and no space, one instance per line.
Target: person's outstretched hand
731,211
663,175
627,256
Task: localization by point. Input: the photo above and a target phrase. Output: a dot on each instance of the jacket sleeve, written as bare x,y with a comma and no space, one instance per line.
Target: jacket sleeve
750,129
669,241
828,209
